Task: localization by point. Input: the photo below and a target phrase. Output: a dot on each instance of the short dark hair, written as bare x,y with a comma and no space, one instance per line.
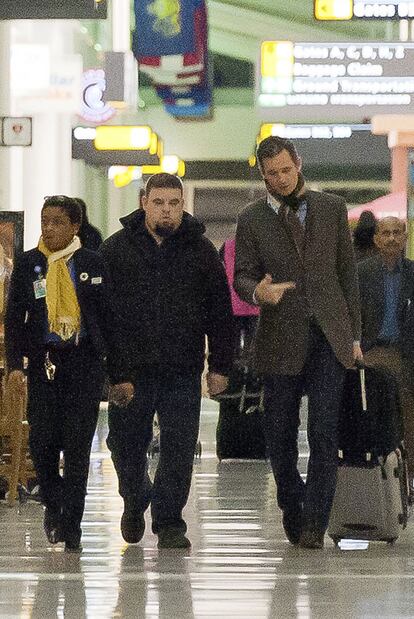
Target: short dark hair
273,145
401,222
70,206
163,180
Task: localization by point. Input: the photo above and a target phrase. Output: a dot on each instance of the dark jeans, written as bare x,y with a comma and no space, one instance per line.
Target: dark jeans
322,378
62,415
176,399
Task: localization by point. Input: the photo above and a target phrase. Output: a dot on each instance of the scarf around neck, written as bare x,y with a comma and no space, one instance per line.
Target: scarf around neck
63,309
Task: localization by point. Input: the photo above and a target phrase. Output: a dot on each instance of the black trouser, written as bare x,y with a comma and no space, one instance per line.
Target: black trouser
62,415
322,378
176,399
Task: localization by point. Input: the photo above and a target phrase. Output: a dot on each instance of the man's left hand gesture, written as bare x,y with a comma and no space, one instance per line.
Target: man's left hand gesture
216,383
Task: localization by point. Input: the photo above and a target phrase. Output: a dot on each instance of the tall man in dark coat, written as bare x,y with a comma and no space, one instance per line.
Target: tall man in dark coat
294,258
58,315
170,293
386,284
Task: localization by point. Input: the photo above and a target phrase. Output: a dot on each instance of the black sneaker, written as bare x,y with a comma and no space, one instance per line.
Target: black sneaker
52,525
172,538
132,527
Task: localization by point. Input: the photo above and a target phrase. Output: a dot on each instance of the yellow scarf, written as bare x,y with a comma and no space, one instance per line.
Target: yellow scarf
63,309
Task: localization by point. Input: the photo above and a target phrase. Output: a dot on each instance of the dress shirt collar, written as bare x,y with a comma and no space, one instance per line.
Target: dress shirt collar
273,202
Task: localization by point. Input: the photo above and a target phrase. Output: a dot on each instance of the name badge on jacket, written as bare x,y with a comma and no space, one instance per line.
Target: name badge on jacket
39,287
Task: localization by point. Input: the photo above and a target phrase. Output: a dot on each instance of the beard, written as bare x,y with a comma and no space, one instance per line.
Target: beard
164,230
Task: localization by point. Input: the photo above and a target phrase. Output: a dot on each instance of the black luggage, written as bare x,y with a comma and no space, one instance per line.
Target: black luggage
239,432
371,498
379,429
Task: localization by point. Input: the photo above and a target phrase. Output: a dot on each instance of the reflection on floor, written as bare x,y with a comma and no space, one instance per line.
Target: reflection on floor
240,564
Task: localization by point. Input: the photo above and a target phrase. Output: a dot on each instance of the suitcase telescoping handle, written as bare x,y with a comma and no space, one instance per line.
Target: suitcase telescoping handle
361,369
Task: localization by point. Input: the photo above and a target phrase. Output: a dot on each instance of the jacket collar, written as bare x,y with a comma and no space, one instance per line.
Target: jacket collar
135,223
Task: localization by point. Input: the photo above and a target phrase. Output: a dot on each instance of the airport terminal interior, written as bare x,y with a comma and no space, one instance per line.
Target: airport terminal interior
95,97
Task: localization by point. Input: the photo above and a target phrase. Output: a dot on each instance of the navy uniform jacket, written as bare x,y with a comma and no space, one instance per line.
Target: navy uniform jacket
26,316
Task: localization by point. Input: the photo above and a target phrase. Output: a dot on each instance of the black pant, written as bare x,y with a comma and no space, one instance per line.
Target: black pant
322,378
62,415
176,399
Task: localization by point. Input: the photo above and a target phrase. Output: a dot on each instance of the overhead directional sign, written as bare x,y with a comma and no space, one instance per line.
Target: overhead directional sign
333,9
53,9
330,145
363,9
346,81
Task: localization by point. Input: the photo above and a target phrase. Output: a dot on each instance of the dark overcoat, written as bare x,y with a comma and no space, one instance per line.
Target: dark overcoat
326,281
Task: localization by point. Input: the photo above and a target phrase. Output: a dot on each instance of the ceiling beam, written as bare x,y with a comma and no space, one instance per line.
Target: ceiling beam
238,32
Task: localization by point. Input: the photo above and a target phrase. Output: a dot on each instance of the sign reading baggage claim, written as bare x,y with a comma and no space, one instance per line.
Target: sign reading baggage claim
346,81
363,9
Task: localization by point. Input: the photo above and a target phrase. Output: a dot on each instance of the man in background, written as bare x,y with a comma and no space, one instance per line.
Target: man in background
386,284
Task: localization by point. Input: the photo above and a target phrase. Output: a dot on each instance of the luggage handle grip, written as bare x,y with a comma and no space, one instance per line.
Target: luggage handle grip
360,366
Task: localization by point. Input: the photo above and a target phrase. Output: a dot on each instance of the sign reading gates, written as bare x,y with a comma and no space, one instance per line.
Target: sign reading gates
363,9
347,82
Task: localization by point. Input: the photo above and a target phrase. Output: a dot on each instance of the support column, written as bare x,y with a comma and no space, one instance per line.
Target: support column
4,111
399,176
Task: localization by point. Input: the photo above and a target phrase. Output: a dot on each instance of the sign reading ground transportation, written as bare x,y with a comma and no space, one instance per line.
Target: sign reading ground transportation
341,81
363,9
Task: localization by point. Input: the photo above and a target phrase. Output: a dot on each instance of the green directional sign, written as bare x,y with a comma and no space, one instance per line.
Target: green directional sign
334,10
53,9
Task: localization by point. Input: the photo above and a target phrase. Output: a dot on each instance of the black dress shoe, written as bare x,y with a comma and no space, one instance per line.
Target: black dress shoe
132,527
311,539
171,537
73,546
292,524
52,526
72,538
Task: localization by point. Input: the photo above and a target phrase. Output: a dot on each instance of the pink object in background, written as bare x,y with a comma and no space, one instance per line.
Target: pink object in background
240,308
393,204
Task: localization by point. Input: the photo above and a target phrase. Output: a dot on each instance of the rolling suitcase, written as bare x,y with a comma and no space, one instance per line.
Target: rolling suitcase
239,432
371,498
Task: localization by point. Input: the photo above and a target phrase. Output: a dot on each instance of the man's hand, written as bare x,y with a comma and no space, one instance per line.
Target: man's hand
17,383
216,383
121,394
358,356
269,293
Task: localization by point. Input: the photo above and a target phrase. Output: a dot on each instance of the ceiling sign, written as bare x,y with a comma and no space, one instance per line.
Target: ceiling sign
348,81
53,9
331,145
363,9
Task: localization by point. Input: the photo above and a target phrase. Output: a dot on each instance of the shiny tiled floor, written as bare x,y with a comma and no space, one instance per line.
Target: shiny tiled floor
240,564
